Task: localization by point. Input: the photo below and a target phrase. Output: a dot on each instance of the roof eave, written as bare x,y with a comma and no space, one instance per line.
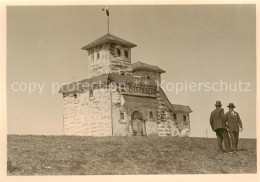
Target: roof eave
158,71
185,112
89,46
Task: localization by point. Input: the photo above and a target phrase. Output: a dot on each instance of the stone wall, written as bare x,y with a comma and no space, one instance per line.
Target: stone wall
98,60
179,127
120,63
122,127
104,59
89,116
163,117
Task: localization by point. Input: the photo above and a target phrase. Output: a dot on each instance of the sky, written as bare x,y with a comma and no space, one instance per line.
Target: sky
193,43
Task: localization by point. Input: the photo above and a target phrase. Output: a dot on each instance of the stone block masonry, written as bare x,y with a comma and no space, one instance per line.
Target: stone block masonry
88,116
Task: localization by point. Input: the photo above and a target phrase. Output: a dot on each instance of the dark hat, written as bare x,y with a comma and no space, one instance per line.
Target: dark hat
231,105
218,103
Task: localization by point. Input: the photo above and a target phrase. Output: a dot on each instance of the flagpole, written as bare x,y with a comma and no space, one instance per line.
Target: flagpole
107,21
108,24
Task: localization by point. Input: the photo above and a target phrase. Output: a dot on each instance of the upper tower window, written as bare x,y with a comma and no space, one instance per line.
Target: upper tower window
118,51
92,57
98,55
126,53
184,118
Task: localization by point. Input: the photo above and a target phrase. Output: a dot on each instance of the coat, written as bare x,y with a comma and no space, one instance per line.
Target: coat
217,119
233,121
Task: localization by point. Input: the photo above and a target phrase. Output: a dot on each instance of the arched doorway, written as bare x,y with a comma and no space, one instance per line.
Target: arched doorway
137,123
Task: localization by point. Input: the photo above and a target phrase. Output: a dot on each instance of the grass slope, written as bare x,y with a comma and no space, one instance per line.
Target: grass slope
71,155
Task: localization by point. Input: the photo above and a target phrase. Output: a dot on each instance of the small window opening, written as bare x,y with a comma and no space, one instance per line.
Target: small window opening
122,88
118,52
174,116
151,115
184,118
122,115
75,95
147,76
163,113
126,53
123,73
91,94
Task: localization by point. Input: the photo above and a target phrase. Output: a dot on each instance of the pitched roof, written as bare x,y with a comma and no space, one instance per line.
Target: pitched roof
131,80
165,98
108,38
143,66
82,85
181,108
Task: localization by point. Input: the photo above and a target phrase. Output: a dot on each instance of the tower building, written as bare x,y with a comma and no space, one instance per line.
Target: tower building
120,98
109,54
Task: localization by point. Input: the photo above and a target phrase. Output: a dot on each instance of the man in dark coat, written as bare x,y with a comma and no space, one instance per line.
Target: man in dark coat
234,125
218,125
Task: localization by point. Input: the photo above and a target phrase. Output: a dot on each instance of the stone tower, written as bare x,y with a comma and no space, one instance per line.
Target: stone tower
109,54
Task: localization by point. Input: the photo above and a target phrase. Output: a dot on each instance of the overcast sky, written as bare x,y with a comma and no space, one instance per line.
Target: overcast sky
193,43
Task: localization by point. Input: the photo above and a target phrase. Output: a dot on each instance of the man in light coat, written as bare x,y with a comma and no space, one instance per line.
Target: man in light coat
234,125
218,125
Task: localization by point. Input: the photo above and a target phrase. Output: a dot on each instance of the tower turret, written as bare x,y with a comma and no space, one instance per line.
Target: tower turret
109,54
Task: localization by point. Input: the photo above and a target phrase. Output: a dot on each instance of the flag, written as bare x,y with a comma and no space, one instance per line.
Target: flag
107,11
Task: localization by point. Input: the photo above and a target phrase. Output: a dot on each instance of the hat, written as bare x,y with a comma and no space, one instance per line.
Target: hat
231,105
218,103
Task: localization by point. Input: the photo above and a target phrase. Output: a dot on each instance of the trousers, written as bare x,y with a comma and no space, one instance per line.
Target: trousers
234,139
222,135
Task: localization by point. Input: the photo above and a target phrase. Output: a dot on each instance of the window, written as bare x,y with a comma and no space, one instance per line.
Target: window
92,57
91,94
163,113
118,51
122,115
151,115
184,118
174,116
126,53
76,97
122,87
123,73
98,55
122,118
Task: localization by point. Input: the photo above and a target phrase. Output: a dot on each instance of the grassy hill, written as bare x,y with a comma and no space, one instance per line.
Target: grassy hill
71,155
